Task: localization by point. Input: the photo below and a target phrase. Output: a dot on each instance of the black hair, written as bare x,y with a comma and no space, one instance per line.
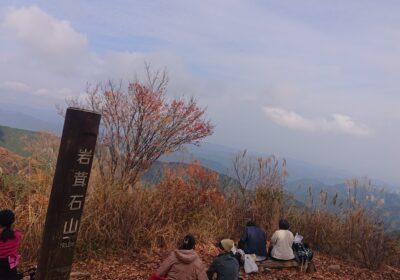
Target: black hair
7,218
251,224
188,242
283,224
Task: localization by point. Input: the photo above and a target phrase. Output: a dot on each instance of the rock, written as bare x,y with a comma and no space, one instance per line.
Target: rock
334,268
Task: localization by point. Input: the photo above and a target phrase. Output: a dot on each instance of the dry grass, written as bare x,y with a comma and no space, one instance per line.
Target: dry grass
353,232
188,200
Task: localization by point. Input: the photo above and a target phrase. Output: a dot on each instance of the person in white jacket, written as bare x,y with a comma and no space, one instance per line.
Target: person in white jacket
281,242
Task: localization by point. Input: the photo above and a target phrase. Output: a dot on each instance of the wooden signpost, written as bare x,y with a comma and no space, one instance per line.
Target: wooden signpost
68,193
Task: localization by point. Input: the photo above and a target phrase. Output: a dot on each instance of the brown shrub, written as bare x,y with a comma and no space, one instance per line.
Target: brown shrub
188,199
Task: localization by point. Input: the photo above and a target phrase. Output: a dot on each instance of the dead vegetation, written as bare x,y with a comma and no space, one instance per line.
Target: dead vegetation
188,199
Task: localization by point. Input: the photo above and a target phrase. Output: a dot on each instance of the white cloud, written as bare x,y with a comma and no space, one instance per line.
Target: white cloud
46,37
48,60
53,60
338,123
14,86
61,93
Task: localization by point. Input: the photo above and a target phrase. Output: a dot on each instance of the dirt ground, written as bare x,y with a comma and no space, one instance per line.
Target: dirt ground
141,267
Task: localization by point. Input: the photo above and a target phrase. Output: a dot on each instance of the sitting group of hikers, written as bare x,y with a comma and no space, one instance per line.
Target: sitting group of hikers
184,263
181,264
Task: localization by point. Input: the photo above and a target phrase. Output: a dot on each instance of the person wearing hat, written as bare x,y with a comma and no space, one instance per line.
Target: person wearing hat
182,263
9,243
225,265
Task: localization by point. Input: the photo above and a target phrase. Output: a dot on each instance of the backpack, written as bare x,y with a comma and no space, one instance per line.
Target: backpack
302,253
155,276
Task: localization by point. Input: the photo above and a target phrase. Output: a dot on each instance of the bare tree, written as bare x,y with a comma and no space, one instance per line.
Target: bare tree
244,170
261,182
139,125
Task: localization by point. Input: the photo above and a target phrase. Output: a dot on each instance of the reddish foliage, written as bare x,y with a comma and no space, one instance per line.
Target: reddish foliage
140,125
196,186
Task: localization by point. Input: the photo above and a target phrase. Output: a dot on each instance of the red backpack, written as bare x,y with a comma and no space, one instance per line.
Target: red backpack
155,276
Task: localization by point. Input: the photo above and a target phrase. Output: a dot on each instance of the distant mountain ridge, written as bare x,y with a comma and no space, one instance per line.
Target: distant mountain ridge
213,156
11,139
21,120
219,159
385,202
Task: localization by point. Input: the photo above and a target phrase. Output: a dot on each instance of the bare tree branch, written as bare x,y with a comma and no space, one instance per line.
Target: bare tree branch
139,125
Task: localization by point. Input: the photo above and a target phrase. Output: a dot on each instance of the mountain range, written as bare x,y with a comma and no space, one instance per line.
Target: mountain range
305,180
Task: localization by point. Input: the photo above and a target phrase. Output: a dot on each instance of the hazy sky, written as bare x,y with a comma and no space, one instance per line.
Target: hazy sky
313,80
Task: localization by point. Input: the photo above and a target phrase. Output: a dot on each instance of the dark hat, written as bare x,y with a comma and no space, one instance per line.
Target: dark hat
7,218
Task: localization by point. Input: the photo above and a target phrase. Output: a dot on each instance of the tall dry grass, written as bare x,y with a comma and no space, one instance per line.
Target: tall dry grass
19,193
188,199
353,231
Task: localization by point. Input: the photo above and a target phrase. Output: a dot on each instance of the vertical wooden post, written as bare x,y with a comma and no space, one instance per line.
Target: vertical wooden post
68,193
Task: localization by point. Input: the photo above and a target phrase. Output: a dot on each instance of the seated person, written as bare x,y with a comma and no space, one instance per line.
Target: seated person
183,263
254,241
9,244
282,241
225,265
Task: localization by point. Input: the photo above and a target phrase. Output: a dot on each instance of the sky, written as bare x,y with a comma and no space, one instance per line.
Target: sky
312,80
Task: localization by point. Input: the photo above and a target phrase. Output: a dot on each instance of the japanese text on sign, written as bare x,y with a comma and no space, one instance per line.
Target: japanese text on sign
76,200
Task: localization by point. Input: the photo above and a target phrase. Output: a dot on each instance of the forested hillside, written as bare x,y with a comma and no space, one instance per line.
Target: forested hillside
12,139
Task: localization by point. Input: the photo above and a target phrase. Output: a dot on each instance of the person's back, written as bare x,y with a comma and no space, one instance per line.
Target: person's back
9,244
225,265
253,240
10,247
282,241
183,263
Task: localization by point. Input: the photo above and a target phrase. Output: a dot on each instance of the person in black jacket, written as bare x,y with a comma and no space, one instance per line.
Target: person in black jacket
225,265
254,241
